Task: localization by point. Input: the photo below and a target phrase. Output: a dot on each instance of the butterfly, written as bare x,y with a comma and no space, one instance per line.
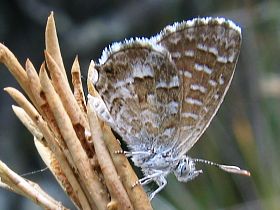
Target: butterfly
161,93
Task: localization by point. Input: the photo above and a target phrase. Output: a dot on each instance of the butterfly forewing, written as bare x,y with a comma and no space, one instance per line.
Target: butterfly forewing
205,53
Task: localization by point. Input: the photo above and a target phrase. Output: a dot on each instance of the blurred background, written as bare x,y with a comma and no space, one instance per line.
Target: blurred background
245,132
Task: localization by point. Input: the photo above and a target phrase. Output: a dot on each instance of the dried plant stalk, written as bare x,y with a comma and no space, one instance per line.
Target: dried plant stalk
27,121
52,144
53,164
62,88
78,87
47,155
12,64
113,183
52,44
64,136
69,102
42,104
78,155
28,189
137,195
34,85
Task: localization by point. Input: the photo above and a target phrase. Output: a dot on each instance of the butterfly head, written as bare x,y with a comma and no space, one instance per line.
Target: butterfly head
185,169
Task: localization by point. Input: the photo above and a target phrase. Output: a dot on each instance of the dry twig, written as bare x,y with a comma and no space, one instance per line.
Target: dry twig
69,141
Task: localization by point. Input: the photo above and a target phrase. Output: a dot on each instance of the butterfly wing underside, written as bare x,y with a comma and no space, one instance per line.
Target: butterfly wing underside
205,52
166,90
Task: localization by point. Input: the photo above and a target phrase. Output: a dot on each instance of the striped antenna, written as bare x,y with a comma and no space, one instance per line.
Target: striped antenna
227,168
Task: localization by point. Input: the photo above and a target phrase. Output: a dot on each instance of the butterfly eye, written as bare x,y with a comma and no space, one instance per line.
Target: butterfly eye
166,154
184,168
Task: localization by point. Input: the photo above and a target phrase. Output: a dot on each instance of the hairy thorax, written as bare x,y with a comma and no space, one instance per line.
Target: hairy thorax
158,159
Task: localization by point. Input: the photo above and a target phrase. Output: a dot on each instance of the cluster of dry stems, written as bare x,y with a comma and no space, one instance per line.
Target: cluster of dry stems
77,148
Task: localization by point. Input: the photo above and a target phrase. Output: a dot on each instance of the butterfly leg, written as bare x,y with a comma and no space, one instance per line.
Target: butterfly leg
147,179
161,182
132,153
143,181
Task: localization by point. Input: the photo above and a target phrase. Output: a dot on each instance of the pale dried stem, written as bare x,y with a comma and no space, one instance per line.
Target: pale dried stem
136,194
113,183
62,88
27,122
78,87
42,104
46,154
90,85
8,58
76,114
28,189
54,165
33,84
52,44
63,125
61,85
7,187
12,64
95,191
52,144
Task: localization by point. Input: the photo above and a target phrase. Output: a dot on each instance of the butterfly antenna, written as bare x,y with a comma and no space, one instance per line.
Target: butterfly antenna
226,168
